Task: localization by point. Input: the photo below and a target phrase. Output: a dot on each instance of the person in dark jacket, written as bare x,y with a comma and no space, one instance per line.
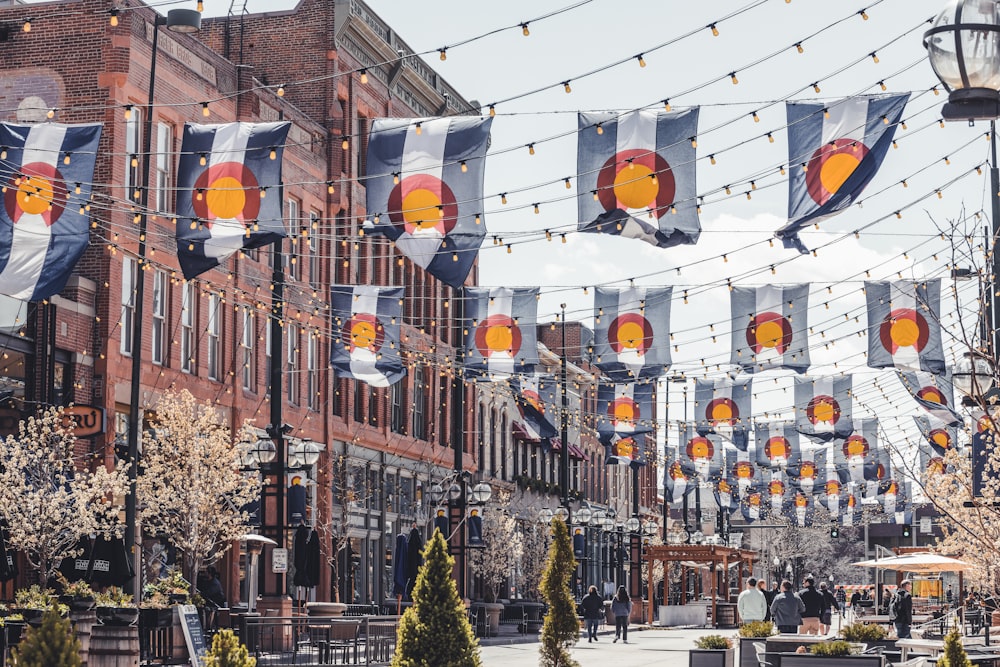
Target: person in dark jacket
787,608
829,604
901,610
813,601
593,612
621,607
768,597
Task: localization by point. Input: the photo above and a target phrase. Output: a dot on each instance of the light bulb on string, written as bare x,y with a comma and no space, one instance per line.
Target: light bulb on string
642,62
114,17
204,109
443,53
798,47
715,30
524,30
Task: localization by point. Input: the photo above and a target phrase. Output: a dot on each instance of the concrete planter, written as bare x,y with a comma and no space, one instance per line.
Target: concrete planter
714,657
325,608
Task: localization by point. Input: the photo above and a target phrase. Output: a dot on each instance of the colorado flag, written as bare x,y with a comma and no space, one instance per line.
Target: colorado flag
500,326
224,176
47,175
769,328
834,151
632,332
424,190
904,329
366,333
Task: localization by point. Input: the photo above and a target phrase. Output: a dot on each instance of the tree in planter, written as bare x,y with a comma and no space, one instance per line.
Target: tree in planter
47,501
561,628
954,654
435,631
227,651
52,643
190,488
503,546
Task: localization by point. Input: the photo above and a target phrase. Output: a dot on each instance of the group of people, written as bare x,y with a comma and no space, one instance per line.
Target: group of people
810,610
593,613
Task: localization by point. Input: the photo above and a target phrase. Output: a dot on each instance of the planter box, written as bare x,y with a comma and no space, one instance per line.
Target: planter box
748,654
804,660
718,657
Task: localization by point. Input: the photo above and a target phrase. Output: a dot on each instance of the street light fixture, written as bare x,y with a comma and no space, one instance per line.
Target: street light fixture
963,46
545,515
562,513
583,516
481,493
632,525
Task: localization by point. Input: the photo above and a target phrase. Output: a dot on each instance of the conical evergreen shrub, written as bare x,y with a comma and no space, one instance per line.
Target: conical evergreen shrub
52,643
561,628
227,651
953,654
435,631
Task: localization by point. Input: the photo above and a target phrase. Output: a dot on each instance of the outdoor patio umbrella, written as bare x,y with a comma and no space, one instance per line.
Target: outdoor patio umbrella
110,564
75,569
920,563
399,566
414,558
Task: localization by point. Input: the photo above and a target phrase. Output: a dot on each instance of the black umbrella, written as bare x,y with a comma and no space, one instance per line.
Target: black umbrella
8,566
75,569
300,558
110,564
414,558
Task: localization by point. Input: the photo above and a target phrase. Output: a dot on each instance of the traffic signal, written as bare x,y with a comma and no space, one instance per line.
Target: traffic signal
835,532
906,530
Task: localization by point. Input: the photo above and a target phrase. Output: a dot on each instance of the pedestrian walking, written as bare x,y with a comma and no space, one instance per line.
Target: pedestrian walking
751,604
768,598
787,608
829,604
901,610
841,596
621,607
813,601
593,611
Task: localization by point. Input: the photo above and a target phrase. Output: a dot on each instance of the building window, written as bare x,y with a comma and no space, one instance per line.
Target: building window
372,405
162,176
267,356
133,146
493,443
481,426
419,398
312,372
247,345
292,363
159,330
128,304
187,327
314,250
359,403
504,437
396,398
443,410
214,331
294,225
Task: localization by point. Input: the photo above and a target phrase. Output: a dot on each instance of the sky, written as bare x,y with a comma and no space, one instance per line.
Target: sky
848,48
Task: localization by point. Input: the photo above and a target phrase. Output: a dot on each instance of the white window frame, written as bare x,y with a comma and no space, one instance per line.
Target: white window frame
188,318
294,238
247,344
213,328
267,357
158,332
127,319
314,258
312,373
162,168
133,149
292,363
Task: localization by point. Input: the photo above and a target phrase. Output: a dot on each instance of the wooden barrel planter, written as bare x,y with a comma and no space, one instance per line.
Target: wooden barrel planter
83,624
114,646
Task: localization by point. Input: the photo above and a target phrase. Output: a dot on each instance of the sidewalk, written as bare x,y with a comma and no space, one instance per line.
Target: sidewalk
647,646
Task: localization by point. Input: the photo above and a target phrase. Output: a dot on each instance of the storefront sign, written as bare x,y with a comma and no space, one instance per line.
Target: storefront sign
87,420
279,560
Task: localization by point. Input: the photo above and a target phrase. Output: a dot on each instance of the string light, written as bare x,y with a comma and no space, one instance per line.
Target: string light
465,167
732,77
364,77
666,105
816,86
874,57
443,53
770,138
566,87
273,154
537,209
204,109
503,197
281,89
418,128
600,130
27,25
568,184
694,142
715,30
711,158
798,47
524,30
596,197
50,113
114,17
883,86
531,149
345,144
755,117
642,62
128,111
863,14
493,111
201,6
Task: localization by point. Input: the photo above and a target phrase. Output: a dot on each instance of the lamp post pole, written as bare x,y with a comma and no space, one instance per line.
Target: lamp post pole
177,20
564,416
275,430
458,441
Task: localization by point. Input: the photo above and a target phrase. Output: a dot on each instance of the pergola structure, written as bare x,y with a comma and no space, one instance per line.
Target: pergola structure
712,555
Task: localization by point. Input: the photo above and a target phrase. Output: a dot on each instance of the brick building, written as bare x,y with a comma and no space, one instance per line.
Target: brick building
212,335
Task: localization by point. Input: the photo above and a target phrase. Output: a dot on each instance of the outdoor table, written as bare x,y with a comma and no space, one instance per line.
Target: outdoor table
932,646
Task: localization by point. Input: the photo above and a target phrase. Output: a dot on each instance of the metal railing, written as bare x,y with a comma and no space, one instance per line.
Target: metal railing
311,641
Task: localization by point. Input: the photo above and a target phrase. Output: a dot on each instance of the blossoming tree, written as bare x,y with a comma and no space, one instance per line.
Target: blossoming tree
191,489
49,498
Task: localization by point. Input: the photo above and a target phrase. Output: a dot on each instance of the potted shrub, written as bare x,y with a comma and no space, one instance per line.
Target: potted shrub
870,635
836,653
158,598
712,651
754,631
32,603
77,595
115,607
227,651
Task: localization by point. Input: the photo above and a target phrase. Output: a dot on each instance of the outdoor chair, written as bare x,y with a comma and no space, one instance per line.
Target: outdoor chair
761,650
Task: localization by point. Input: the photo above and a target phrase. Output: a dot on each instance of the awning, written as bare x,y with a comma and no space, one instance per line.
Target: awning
574,451
520,432
924,562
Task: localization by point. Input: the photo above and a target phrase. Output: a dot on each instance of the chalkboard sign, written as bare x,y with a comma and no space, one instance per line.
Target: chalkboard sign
194,636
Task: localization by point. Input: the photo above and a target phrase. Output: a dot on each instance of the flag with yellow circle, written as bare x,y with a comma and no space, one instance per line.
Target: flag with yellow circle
631,332
47,174
365,329
770,327
722,406
500,337
904,329
823,406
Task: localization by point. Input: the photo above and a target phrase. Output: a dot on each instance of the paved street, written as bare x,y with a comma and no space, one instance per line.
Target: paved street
646,647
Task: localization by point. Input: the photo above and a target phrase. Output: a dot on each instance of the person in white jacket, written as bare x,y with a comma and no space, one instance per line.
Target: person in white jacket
752,604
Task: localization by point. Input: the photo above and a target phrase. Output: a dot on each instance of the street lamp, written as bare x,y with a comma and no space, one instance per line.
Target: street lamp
481,493
545,515
181,21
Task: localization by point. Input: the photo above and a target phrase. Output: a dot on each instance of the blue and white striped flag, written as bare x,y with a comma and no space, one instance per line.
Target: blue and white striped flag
47,172
224,176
